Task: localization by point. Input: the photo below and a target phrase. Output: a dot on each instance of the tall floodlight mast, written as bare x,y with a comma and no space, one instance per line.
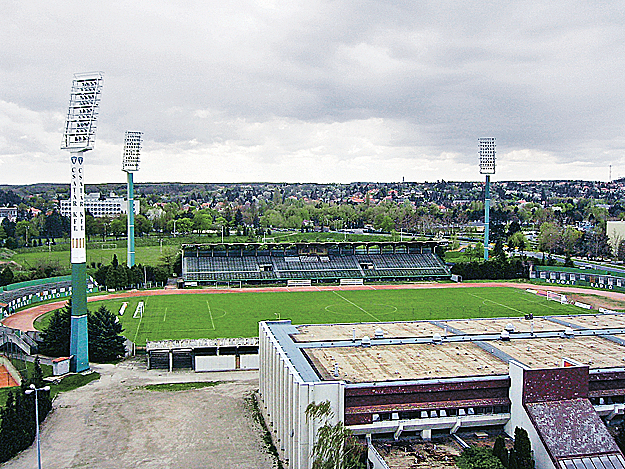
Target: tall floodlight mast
79,137
130,163
487,166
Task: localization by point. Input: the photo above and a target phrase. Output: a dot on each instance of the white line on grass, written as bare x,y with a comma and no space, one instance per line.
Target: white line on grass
211,314
137,331
165,314
354,304
499,304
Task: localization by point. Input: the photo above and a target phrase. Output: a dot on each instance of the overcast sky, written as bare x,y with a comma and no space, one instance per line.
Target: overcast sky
318,91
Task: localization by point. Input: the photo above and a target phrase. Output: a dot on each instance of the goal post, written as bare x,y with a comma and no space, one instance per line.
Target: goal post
553,296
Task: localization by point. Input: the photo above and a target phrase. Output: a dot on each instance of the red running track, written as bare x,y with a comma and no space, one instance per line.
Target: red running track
24,320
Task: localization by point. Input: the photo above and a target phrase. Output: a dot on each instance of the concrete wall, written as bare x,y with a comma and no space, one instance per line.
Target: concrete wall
519,418
286,396
214,363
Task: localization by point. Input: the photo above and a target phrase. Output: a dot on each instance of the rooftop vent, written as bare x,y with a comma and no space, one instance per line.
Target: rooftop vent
568,332
366,341
379,333
509,327
505,335
436,338
336,370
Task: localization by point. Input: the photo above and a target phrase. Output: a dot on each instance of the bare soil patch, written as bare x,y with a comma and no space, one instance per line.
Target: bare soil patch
116,422
597,301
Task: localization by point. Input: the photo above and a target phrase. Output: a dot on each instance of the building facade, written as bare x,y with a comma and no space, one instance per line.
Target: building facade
422,378
111,206
8,212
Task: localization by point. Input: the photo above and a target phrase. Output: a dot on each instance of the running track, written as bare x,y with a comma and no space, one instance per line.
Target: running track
24,319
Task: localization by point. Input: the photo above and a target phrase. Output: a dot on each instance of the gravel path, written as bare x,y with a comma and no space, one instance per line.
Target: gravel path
115,423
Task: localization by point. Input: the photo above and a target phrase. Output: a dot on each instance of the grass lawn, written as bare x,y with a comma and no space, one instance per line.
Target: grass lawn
95,253
237,314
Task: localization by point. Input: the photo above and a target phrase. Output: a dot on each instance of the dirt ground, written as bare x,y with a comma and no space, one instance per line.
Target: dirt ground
115,423
440,455
597,301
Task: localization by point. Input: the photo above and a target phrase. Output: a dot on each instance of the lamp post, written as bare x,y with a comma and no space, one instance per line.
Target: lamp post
130,164
78,138
29,391
487,167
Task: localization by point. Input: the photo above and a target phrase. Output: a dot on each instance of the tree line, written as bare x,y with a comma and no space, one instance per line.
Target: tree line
17,417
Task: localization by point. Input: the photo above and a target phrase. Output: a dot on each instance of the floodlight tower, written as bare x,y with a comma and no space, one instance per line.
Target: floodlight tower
487,166
79,137
130,163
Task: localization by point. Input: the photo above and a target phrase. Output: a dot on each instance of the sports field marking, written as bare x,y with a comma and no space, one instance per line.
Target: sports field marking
392,309
165,314
537,302
498,304
222,316
354,304
211,314
137,331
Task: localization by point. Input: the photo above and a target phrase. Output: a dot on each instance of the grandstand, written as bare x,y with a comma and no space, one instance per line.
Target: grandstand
317,262
18,295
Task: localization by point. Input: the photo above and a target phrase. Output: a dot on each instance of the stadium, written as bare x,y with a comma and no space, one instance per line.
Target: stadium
306,263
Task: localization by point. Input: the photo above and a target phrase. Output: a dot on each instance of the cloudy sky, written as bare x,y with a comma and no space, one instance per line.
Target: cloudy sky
318,91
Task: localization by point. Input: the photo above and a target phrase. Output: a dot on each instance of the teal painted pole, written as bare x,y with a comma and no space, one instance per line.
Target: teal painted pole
79,340
486,216
130,259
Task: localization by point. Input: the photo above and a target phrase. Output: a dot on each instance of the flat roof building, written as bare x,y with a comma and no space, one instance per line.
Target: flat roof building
99,206
415,378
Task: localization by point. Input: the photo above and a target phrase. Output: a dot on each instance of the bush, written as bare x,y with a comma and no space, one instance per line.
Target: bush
477,457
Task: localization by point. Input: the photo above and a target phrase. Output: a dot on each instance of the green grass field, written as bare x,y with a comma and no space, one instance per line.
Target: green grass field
237,314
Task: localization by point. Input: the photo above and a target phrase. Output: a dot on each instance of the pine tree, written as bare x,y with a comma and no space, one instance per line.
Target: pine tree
500,451
523,449
6,276
55,337
105,341
8,429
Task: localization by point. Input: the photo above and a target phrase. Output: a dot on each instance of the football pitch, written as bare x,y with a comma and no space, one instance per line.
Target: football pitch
216,315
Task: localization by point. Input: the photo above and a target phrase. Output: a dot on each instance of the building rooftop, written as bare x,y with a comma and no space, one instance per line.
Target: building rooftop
404,351
404,362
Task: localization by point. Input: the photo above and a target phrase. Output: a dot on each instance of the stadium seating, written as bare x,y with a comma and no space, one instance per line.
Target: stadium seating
279,265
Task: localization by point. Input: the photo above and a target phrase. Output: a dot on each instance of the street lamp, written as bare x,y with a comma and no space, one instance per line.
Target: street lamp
29,391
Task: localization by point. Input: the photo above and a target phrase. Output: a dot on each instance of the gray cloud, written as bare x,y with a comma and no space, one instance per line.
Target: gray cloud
544,78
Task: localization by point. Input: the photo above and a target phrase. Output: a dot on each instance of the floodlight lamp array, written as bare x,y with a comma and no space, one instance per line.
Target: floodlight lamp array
487,155
82,115
132,148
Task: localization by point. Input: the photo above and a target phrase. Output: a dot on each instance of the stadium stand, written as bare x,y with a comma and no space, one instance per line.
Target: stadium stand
22,294
318,262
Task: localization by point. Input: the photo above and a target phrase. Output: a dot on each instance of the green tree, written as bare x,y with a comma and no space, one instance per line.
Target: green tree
335,447
478,457
105,340
500,451
55,337
6,276
521,456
